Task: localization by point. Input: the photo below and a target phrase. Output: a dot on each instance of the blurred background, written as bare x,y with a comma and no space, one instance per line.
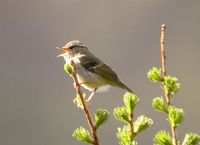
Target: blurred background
36,106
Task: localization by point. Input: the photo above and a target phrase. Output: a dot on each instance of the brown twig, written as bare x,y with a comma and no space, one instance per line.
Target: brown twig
163,58
85,109
131,126
164,73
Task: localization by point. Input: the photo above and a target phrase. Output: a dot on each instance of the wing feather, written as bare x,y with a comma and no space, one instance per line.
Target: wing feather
93,64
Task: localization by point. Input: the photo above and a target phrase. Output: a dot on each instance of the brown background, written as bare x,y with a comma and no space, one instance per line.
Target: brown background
36,96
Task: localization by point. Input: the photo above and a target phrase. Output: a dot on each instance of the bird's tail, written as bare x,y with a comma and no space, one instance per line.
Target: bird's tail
123,86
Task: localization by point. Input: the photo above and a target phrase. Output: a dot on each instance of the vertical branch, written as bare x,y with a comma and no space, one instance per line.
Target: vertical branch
85,109
164,73
162,45
163,59
131,126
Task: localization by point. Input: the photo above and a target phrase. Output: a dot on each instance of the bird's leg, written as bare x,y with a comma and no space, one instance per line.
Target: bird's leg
91,95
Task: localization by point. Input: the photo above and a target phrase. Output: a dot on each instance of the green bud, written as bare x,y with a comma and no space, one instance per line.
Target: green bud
78,102
81,134
142,123
101,115
155,75
68,69
171,85
175,116
121,114
130,101
159,105
191,139
162,138
124,136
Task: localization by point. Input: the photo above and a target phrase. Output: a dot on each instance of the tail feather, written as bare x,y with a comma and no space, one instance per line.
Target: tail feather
123,86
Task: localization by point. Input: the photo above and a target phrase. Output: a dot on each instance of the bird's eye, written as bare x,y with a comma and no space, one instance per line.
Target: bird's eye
72,47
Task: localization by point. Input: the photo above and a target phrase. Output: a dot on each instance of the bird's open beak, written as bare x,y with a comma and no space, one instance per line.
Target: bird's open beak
66,51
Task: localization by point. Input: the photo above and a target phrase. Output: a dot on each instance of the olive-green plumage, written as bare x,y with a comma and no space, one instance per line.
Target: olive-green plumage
92,73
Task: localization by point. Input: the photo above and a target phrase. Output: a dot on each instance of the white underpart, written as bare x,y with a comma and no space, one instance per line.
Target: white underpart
75,58
87,79
104,88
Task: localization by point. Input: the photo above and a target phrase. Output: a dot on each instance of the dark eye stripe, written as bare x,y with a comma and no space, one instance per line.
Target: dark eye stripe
73,46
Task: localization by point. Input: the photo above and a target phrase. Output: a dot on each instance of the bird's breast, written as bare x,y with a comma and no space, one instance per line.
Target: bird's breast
88,79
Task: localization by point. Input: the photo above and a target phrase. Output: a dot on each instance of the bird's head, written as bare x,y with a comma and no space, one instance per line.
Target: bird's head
72,48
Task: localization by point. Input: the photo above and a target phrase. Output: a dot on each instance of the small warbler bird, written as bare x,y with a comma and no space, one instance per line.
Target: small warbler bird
92,73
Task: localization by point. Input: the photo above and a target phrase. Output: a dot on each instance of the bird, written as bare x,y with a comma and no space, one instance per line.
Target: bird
92,73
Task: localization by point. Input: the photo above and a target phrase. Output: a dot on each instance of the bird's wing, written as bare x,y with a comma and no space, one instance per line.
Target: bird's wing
93,64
